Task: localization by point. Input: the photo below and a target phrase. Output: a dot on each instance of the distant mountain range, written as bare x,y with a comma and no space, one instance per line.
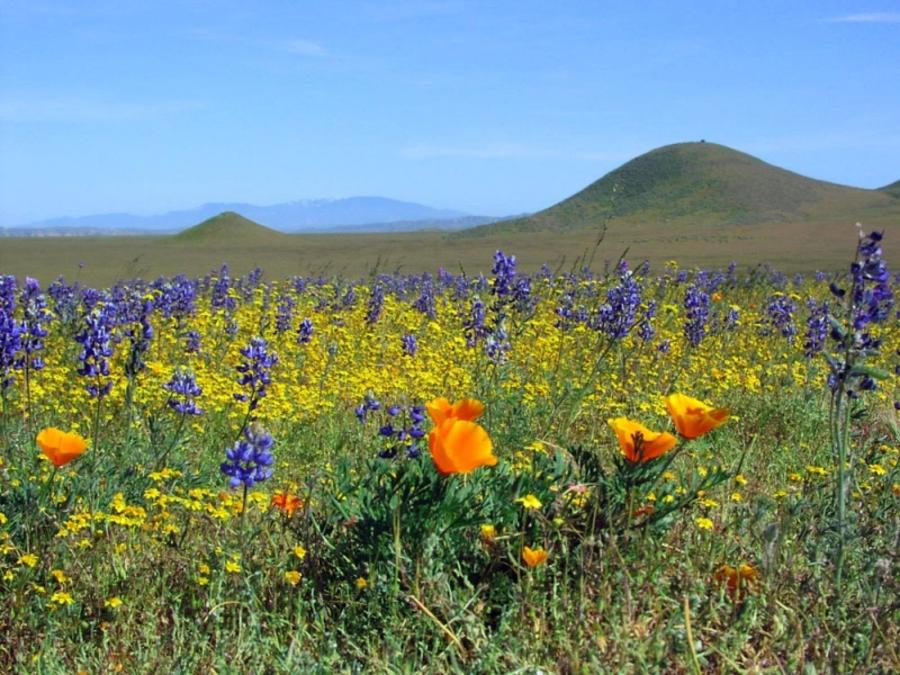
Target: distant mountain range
354,214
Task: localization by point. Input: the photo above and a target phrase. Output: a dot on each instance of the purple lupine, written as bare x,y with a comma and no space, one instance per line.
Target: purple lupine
221,298
96,349
284,315
817,325
425,303
474,326
410,345
617,315
91,298
8,287
375,304
34,315
645,328
305,332
65,300
780,310
870,301
177,297
401,429
249,461
140,335
565,310
522,298
504,272
192,342
10,344
497,343
732,318
696,305
349,299
255,372
370,404
183,390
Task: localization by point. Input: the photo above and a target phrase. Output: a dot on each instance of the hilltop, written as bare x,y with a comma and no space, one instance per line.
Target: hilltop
892,189
228,228
701,184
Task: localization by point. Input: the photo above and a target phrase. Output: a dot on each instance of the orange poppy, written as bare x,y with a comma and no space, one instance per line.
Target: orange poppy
60,447
441,410
646,510
533,556
638,443
286,502
460,446
737,580
694,418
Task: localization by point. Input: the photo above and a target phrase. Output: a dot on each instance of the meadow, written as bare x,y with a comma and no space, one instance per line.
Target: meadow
618,468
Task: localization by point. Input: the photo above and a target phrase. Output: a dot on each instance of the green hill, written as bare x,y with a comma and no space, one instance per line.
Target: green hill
700,184
892,189
228,228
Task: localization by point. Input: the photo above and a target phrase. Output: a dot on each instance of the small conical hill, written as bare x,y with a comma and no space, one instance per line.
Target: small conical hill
228,228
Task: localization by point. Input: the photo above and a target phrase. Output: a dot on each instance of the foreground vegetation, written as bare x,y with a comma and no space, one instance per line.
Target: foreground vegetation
261,476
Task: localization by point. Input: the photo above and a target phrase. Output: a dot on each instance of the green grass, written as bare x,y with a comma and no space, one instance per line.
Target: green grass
803,246
620,603
623,589
230,229
703,184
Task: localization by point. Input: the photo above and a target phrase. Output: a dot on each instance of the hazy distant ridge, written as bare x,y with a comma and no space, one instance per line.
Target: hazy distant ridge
314,214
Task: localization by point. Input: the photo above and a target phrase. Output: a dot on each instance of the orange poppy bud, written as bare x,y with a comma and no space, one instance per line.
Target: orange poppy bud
533,556
440,410
737,580
60,447
638,443
694,418
460,446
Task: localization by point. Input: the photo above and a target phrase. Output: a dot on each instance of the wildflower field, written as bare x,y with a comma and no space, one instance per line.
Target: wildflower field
612,470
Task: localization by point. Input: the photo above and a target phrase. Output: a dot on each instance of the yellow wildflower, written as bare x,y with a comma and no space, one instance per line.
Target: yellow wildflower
529,502
29,559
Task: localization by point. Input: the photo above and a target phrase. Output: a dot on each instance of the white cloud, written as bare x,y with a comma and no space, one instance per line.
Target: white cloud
296,46
869,17
302,47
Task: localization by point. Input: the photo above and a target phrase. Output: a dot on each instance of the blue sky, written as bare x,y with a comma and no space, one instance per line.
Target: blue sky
488,107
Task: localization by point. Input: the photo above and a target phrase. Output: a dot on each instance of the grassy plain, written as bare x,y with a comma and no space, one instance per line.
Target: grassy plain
792,247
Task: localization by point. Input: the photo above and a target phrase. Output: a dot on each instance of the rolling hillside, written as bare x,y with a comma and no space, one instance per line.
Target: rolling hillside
703,184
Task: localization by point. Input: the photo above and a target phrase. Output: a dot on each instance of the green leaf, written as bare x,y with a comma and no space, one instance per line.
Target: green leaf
871,371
